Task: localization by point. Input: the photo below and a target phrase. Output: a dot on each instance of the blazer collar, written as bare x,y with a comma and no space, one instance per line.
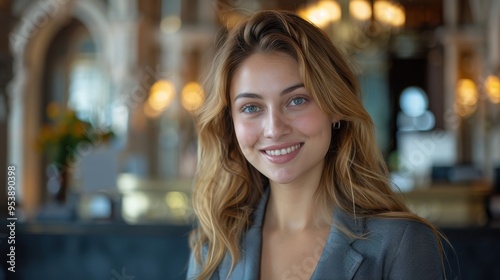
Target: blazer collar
248,267
339,259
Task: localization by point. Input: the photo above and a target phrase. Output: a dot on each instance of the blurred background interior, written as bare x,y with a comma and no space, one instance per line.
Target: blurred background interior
96,101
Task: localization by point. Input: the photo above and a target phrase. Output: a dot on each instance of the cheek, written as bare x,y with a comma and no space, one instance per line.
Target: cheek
247,133
314,125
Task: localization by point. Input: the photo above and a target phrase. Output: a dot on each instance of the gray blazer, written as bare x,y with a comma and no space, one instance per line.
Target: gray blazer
392,249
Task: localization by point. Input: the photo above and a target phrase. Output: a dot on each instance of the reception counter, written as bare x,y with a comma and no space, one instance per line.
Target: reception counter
95,251
83,251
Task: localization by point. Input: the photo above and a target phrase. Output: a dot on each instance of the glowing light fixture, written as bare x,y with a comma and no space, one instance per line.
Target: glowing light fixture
466,96
360,9
389,13
324,12
178,203
321,13
134,205
192,96
161,95
413,101
492,84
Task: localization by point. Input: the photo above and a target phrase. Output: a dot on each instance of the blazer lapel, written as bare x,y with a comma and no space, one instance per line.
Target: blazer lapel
339,259
248,268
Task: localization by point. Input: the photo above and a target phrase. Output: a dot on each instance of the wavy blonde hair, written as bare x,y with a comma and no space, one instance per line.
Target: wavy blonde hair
227,187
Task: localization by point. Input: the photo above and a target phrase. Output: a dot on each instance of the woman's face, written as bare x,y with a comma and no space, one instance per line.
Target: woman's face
280,129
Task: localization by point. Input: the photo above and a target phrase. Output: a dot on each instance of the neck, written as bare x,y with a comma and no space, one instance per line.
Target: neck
292,208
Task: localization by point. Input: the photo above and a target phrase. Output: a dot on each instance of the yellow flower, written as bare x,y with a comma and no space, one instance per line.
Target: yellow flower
61,130
59,138
79,129
45,133
53,110
70,115
44,137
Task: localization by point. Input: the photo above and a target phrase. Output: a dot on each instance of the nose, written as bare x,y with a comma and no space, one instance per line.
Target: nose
276,125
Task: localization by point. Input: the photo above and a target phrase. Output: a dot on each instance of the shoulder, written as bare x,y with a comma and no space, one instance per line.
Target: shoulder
390,234
392,227
404,247
394,248
387,237
395,237
390,230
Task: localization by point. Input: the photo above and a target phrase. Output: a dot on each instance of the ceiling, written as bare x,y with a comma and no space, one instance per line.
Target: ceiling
420,14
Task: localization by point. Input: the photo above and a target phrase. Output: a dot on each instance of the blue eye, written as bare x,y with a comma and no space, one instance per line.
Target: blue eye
250,109
297,101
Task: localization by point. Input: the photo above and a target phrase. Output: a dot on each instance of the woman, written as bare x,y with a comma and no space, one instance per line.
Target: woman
290,183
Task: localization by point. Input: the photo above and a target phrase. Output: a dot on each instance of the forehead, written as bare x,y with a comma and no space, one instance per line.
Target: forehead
265,73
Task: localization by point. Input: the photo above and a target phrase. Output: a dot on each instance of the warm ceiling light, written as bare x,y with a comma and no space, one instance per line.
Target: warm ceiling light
360,9
492,84
322,13
192,96
331,8
161,95
389,13
178,203
399,16
466,97
467,92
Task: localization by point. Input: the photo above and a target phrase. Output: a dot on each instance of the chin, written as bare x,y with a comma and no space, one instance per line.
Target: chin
282,180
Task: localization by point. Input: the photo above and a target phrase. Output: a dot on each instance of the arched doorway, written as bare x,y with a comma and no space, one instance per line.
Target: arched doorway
31,40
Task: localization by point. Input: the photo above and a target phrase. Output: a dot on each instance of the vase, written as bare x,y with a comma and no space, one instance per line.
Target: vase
64,181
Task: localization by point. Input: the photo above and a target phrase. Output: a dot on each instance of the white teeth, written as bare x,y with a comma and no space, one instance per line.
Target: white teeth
282,151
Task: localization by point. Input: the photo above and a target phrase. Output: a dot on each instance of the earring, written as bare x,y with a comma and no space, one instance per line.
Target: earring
336,125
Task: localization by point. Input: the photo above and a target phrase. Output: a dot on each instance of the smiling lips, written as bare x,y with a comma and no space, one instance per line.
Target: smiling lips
282,155
281,152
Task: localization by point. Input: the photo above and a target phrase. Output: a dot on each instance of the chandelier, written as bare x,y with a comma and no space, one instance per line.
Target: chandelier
468,95
357,23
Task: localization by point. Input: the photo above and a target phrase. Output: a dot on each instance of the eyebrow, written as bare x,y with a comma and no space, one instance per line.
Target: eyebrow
258,96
